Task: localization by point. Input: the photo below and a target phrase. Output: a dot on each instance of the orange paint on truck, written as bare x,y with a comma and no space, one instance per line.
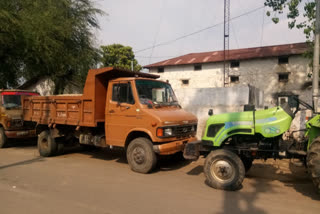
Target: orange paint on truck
117,108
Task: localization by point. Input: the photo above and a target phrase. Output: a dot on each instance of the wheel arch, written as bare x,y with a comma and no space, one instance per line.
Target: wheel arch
135,134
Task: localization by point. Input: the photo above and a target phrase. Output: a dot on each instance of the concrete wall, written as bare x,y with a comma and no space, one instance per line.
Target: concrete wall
221,100
260,73
44,86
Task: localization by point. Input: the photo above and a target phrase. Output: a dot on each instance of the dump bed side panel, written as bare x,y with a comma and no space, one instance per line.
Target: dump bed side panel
68,110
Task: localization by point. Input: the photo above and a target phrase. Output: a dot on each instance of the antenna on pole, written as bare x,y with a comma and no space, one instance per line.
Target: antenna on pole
226,42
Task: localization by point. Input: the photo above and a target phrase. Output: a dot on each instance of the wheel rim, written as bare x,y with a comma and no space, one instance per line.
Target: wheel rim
44,143
222,170
138,155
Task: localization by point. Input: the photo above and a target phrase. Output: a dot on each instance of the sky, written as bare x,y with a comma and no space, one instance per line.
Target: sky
145,23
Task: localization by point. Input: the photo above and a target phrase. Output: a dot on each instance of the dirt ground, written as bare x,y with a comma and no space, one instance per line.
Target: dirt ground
101,182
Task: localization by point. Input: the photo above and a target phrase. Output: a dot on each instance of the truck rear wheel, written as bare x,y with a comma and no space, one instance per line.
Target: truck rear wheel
3,138
46,144
313,162
224,170
140,155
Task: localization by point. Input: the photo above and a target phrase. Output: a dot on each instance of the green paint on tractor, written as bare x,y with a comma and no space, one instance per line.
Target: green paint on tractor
269,123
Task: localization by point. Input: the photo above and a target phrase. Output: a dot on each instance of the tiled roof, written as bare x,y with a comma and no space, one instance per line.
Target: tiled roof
236,54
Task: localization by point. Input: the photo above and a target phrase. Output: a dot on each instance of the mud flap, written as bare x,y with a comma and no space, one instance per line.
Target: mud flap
192,150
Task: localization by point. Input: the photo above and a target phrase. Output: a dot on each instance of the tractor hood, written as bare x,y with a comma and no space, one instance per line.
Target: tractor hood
269,122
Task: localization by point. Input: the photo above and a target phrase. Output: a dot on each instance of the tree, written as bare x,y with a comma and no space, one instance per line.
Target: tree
295,10
120,56
47,38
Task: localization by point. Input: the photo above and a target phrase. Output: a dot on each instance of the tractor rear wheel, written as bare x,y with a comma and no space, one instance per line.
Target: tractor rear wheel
313,162
224,170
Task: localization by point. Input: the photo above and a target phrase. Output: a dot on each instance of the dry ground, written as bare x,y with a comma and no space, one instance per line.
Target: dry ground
101,182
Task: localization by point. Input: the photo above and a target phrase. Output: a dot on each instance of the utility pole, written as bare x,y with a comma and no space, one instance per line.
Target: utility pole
315,82
226,42
131,65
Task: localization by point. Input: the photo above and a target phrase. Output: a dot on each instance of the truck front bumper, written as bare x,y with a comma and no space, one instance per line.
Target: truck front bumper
20,133
172,147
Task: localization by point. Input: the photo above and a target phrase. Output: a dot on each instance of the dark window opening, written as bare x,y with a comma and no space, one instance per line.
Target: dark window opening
160,70
185,82
235,64
234,79
283,77
197,67
283,60
122,93
214,129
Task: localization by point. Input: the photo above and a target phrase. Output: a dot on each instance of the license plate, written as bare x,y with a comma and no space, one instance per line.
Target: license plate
22,133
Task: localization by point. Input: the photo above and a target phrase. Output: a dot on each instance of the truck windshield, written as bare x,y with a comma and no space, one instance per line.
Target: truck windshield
11,101
154,92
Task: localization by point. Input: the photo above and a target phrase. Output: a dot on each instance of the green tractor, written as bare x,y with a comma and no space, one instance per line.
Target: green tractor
233,140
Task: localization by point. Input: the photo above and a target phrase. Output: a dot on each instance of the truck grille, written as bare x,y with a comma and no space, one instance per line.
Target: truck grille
16,123
185,130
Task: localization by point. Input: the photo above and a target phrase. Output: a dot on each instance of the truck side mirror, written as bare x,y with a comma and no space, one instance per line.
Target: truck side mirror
210,112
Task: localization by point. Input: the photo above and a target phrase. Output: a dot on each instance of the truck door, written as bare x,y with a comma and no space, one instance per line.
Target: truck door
120,113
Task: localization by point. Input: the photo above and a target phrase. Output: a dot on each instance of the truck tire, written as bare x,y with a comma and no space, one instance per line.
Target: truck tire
140,155
3,138
224,170
46,144
247,162
313,162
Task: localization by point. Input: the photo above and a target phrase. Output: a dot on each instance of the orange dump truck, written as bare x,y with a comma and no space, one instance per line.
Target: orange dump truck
117,108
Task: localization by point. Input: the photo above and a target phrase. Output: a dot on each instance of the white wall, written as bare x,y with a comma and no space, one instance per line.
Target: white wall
45,86
260,73
221,100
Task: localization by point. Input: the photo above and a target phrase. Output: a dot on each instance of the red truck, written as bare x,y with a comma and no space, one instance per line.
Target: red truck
117,108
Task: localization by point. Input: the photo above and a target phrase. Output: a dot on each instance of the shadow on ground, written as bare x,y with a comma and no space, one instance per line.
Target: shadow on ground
22,143
262,177
25,162
117,154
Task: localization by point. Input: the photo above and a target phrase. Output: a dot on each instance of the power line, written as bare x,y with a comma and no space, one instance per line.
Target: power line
262,27
156,56
234,33
196,32
157,33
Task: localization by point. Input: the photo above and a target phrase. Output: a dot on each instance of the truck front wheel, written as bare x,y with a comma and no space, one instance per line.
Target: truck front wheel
3,138
224,170
140,155
313,162
46,144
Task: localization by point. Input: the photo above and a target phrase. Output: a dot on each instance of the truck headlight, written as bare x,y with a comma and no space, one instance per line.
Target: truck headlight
167,132
164,132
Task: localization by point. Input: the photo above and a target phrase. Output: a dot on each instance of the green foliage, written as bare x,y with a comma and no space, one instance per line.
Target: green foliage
47,38
120,56
292,6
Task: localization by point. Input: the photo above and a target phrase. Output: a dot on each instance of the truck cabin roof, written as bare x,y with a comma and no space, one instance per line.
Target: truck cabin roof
97,79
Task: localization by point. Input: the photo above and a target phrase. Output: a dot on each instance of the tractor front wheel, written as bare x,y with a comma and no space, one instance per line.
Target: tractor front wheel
313,162
224,170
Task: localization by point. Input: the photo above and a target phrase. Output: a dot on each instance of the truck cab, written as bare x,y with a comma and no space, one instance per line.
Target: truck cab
11,118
